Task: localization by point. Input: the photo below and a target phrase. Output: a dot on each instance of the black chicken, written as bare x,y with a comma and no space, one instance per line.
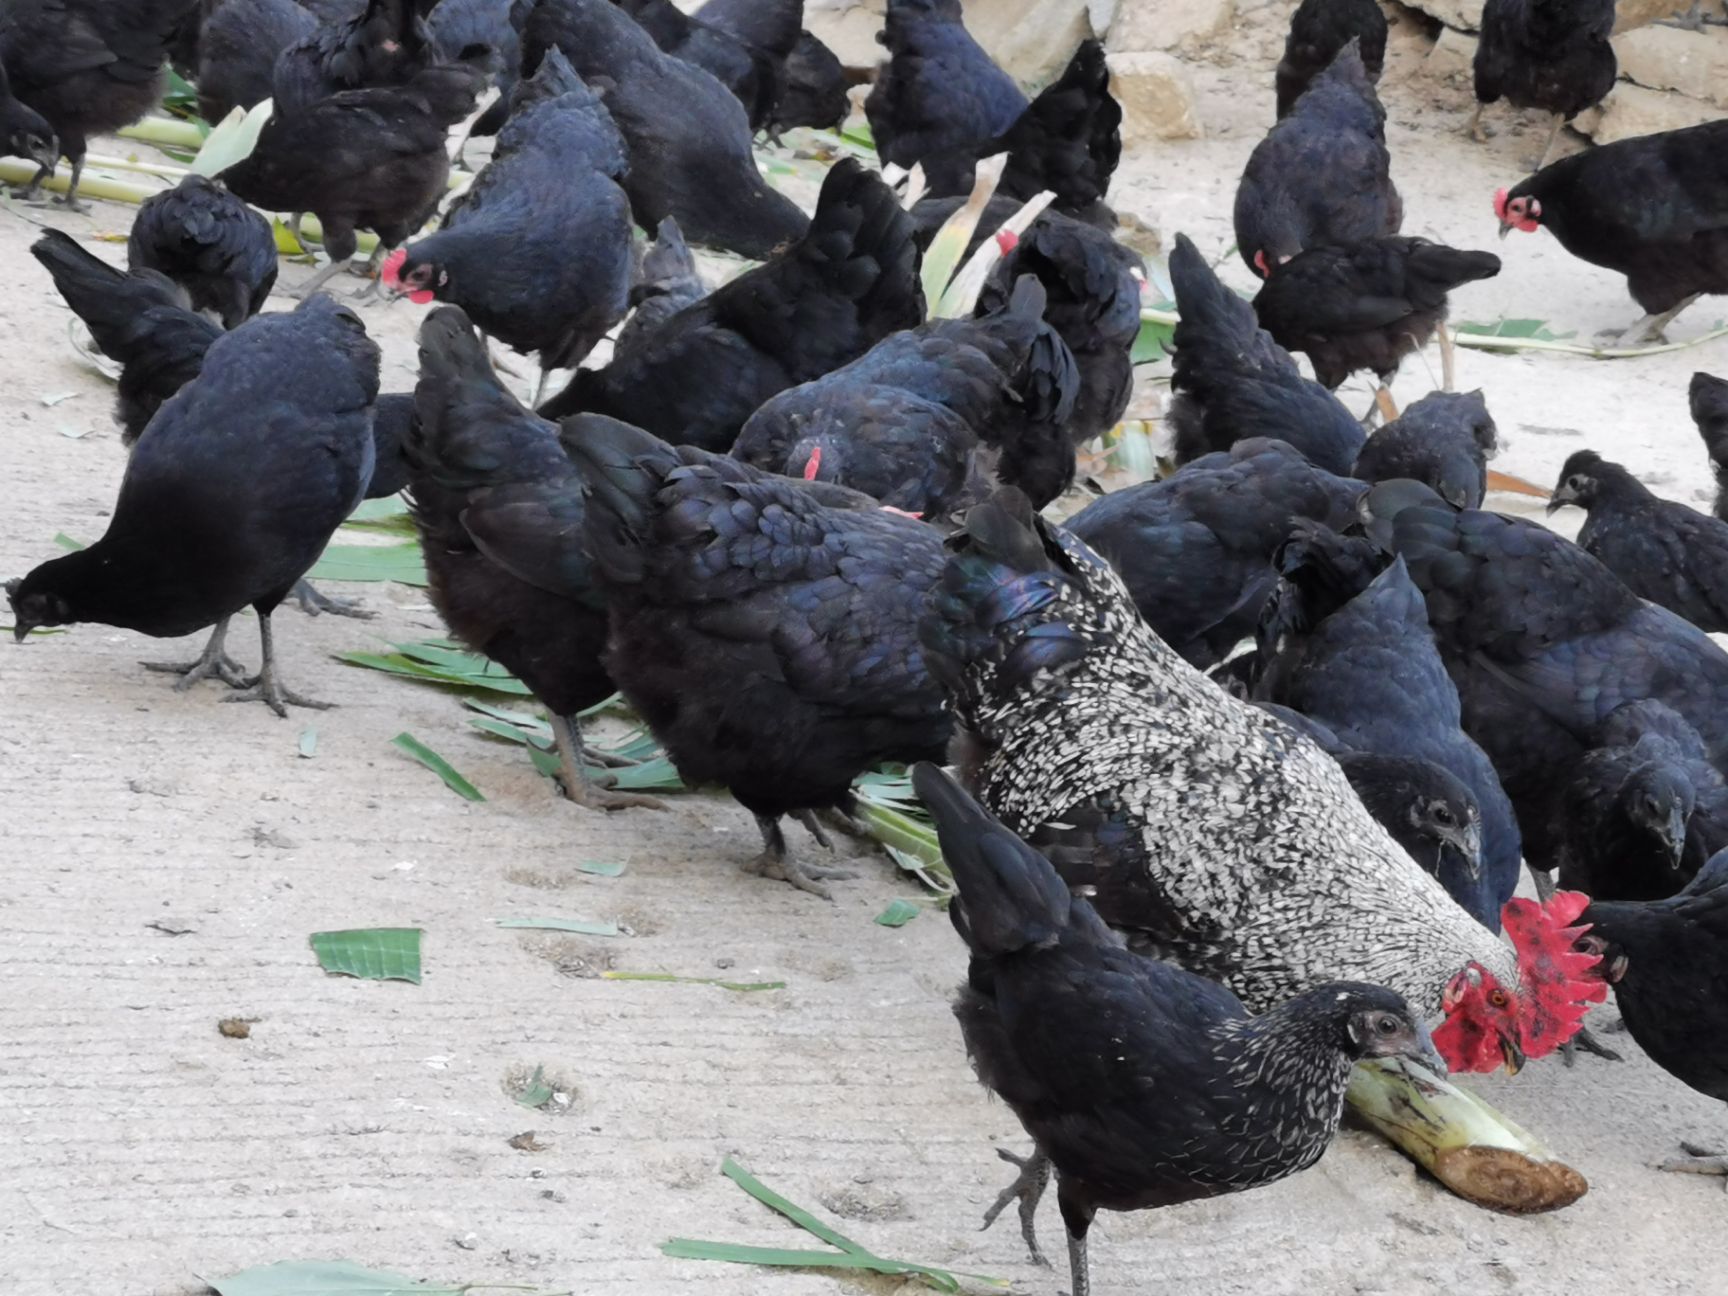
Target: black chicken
1092,287
1322,175
1195,549
1366,305
813,88
238,48
749,73
1653,208
24,132
371,159
1232,381
487,33
1669,961
1664,551
1141,1085
376,43
1443,440
209,242
1319,31
1709,404
488,476
86,67
688,136
537,252
1640,812
1352,650
764,628
902,423
1547,54
849,282
230,496
939,94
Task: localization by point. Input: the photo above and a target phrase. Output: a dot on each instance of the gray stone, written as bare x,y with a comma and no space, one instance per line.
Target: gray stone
1634,110
1030,39
1667,58
1169,24
1156,97
1453,55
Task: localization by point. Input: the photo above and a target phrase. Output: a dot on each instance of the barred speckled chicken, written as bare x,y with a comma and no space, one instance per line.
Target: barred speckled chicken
1211,833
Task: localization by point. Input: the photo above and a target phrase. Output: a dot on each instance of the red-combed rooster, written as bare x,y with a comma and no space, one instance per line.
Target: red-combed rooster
1209,832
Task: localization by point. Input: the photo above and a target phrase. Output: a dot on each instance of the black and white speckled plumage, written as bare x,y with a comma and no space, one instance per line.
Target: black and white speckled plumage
1216,835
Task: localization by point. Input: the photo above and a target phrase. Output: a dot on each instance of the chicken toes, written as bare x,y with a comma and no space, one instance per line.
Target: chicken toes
214,660
1028,1190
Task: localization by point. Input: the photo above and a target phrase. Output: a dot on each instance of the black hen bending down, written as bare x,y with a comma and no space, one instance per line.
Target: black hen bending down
363,159
689,138
488,476
1547,54
87,67
1319,31
1352,650
487,33
848,283
1653,208
210,243
537,252
1709,402
230,496
1233,382
1664,551
1322,175
765,629
1141,1084
24,132
1641,812
749,73
1443,441
1068,141
939,93
903,422
1366,305
813,89
1092,289
1195,549
1669,960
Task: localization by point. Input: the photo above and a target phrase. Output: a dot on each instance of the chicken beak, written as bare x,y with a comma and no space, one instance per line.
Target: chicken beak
20,633
1505,229
1424,1053
1467,841
1674,835
1512,1054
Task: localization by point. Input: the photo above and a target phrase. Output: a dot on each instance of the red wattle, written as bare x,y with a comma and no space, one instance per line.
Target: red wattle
814,465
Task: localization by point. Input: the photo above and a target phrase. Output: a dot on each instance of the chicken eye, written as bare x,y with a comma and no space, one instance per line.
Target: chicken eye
1387,1025
1497,998
1442,814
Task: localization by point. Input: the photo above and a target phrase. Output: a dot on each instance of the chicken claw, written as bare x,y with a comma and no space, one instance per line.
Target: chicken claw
580,786
266,688
1698,1160
778,863
313,601
214,660
1028,1190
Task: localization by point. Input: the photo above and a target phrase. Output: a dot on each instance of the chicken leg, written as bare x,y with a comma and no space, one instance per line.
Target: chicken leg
313,601
214,660
777,862
1448,359
1553,142
265,687
1078,1219
1650,328
1027,1189
575,781
1474,129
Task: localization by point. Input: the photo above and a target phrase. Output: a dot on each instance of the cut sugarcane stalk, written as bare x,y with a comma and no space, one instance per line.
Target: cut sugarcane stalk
1462,1141
961,295
945,250
90,186
165,130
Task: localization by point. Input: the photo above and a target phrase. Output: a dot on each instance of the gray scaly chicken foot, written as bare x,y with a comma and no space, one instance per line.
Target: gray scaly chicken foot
214,660
575,781
1028,1190
1698,1160
266,688
777,862
313,601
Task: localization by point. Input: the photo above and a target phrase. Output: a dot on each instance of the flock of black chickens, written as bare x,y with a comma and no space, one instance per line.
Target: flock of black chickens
1285,721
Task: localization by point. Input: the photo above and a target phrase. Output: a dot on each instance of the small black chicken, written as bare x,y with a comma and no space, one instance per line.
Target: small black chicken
749,73
1142,1085
1664,551
212,244
1709,402
1443,440
1547,54
1319,30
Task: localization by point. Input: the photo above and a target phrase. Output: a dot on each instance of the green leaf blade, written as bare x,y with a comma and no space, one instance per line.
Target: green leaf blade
370,953
438,765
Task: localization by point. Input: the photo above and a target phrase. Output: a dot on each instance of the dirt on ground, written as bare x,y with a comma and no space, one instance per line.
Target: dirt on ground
169,855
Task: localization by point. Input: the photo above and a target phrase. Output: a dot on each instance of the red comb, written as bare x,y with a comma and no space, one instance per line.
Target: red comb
1500,205
1555,984
1007,240
814,465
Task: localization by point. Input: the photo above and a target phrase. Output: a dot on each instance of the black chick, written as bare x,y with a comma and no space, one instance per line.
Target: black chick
537,252
939,93
1141,1085
1549,54
1068,141
693,163
1669,961
1349,646
1319,31
142,320
1443,440
372,159
764,628
848,283
1322,175
1365,305
210,243
1092,286
1233,382
1195,549
1709,402
903,422
230,497
1664,551
663,283
1641,812
86,67
749,73
238,48
487,475
24,132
